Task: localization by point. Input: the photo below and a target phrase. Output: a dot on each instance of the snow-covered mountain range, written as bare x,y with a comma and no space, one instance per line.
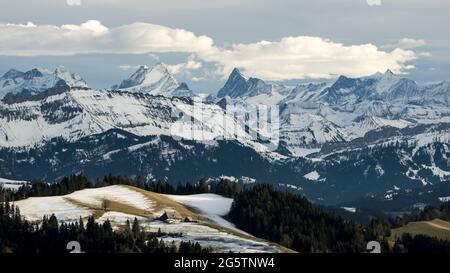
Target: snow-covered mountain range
318,113
347,130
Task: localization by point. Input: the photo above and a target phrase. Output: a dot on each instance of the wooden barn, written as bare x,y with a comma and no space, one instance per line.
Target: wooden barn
171,216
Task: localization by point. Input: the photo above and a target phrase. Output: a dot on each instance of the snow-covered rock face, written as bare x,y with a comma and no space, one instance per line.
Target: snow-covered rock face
155,81
38,80
252,90
308,131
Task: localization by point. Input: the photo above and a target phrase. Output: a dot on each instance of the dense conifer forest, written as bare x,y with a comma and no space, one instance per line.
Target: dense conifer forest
296,223
79,182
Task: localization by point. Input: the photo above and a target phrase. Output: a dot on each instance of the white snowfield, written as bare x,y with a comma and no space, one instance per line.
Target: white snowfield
207,203
66,209
116,193
35,208
119,218
212,206
71,207
313,176
13,185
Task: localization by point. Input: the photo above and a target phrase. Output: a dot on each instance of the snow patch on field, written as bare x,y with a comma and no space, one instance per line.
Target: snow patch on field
119,194
65,210
313,176
207,203
349,209
210,205
119,218
13,185
35,208
208,237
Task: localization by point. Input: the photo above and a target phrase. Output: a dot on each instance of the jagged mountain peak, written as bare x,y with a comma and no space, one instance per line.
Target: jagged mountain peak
161,67
235,86
38,80
389,72
183,86
69,78
236,73
252,90
62,71
156,80
145,75
34,73
12,74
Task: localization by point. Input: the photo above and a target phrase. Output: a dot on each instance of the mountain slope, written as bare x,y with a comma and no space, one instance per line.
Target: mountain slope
82,112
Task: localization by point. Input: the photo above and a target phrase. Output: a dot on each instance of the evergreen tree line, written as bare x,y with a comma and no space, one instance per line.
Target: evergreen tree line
408,243
50,236
74,183
427,214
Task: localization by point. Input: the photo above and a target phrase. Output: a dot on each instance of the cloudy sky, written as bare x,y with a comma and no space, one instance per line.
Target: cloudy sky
202,40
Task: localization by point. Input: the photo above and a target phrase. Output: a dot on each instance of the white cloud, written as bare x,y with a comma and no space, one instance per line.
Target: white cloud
406,43
424,54
127,67
307,57
190,64
153,56
93,37
197,79
373,2
73,2
289,58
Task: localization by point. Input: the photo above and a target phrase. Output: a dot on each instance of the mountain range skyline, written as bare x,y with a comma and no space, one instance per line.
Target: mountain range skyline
214,91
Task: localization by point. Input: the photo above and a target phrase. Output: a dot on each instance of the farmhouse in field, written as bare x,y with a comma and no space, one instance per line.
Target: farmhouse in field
171,216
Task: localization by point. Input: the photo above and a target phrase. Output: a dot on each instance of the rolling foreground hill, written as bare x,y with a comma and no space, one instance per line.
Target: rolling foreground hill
195,217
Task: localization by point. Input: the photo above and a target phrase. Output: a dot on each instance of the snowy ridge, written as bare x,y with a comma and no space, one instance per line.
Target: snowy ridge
84,112
38,80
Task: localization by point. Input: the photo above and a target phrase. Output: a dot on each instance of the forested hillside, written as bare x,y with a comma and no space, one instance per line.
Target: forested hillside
296,223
